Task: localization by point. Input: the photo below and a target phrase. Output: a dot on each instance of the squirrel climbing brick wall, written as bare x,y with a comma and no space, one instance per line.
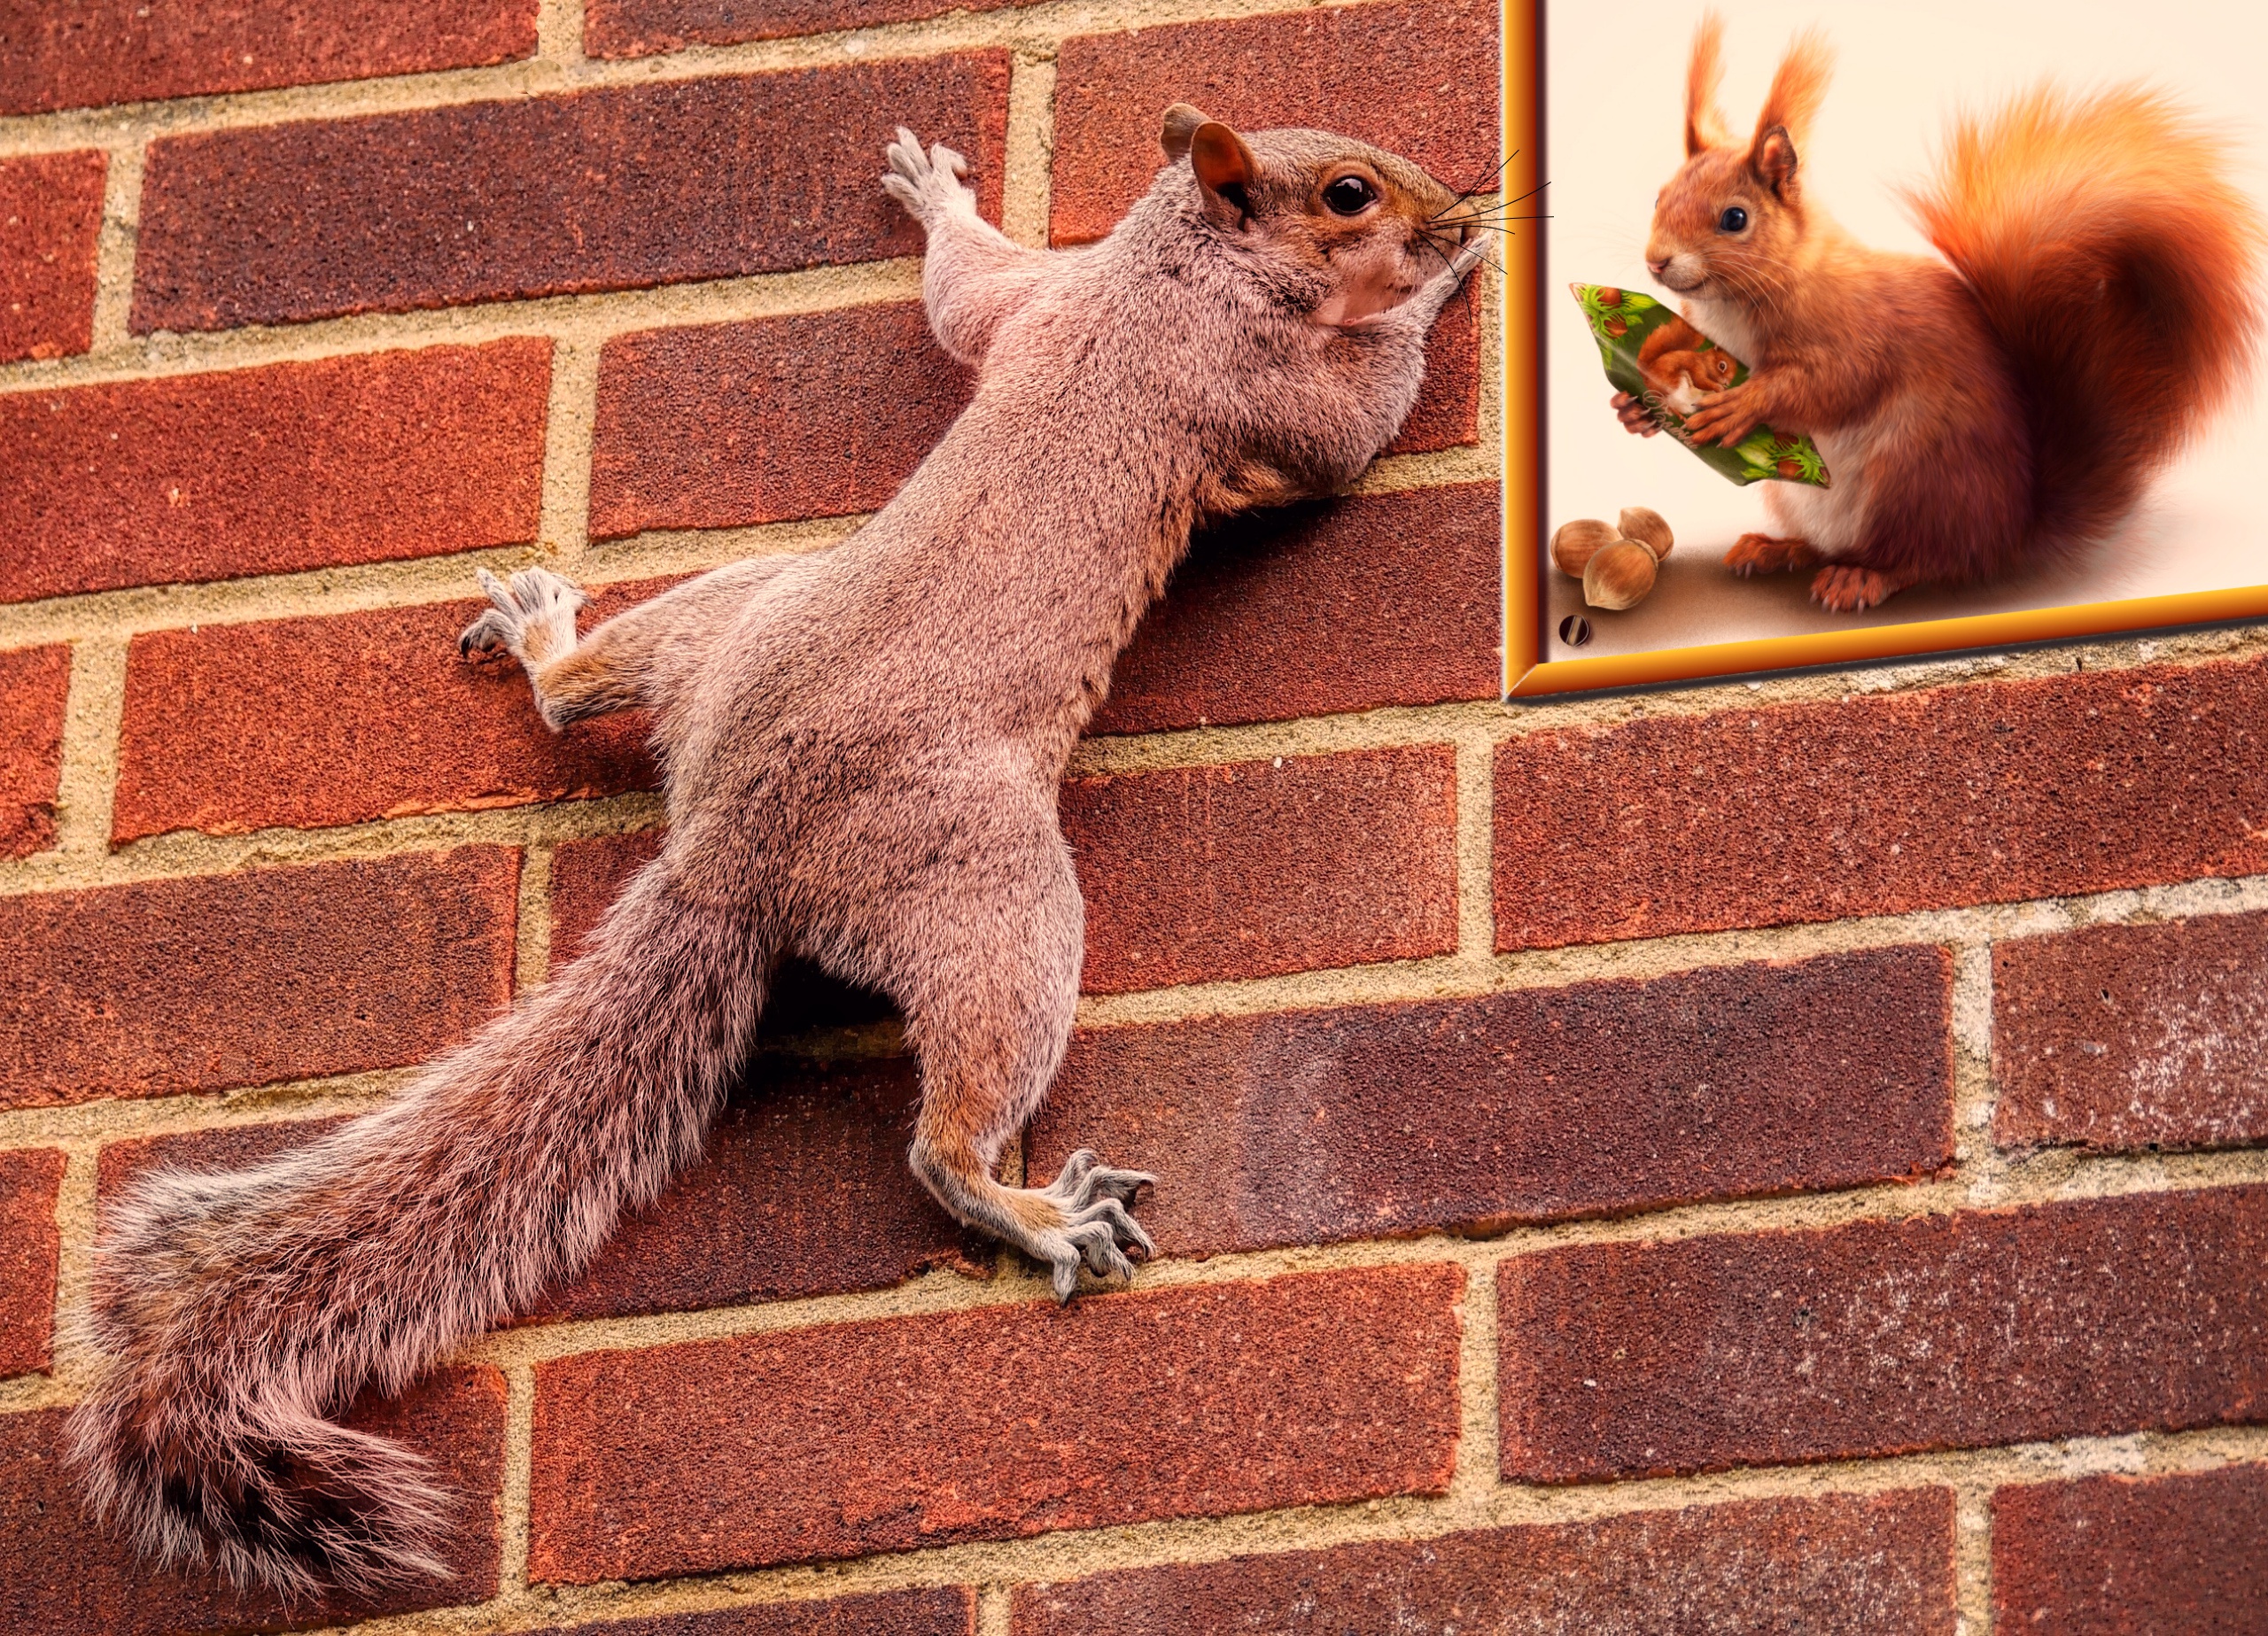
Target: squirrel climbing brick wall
1547,1099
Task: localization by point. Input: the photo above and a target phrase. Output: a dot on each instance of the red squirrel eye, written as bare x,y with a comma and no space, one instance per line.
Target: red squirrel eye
1733,221
1349,196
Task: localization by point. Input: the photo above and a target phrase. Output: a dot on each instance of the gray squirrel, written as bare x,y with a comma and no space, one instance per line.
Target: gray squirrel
861,749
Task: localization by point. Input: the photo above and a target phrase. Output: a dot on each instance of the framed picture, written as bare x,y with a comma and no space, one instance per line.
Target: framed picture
1596,104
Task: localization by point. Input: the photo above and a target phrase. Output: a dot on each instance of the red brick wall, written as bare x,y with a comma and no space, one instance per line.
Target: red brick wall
1789,1157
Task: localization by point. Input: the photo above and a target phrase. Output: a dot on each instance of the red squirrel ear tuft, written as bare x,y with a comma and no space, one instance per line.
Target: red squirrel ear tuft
1223,164
1704,127
1773,159
1181,123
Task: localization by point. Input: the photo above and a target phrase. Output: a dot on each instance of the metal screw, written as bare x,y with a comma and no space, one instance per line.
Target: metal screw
1575,630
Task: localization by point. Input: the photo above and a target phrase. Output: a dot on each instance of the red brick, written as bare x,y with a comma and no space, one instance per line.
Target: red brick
644,27
30,1178
1881,806
50,222
346,718
1447,414
2126,1036
67,1574
35,685
2090,1318
95,51
1377,599
2107,1555
612,189
1419,80
948,1611
898,1434
365,459
205,984
1250,868
1838,1565
817,414
803,1191
1474,1115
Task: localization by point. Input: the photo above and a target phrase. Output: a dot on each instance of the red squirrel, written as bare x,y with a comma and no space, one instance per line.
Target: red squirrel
861,748
1982,413
1679,365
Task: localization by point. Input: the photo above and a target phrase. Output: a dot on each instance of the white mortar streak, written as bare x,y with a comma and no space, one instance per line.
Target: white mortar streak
570,416
114,247
87,787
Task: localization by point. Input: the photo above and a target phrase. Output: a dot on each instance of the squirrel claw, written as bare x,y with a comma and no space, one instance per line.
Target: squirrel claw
1098,1229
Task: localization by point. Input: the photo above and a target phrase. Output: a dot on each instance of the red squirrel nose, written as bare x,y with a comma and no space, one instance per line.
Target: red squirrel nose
1657,267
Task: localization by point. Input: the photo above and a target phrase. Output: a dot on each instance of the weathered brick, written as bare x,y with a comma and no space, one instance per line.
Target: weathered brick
1881,806
29,1244
35,687
65,1573
612,189
345,718
803,1191
644,27
950,1610
2109,1556
1250,868
812,415
1473,1115
2126,1036
204,984
1838,1565
96,51
1377,599
364,458
2140,1313
50,220
896,1434
1419,80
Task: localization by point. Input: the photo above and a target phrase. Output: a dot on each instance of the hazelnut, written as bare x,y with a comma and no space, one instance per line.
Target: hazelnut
1617,325
1648,528
1573,545
1608,296
1792,469
1618,575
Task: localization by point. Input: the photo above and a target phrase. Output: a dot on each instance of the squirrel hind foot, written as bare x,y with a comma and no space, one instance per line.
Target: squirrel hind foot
1761,554
1080,1218
1843,589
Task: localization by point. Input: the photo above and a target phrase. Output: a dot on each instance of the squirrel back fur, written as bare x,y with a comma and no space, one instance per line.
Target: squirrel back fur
861,748
1987,412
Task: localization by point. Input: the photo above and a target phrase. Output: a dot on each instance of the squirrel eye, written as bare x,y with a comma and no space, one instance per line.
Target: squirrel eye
1733,221
1349,196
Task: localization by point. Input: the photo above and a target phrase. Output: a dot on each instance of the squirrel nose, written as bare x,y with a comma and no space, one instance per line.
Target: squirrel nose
1657,267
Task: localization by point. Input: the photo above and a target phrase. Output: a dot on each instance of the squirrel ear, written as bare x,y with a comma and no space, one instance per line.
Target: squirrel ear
1773,159
1181,124
1704,127
1223,164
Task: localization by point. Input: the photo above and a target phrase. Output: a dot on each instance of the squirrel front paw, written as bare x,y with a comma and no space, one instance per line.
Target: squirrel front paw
532,619
927,184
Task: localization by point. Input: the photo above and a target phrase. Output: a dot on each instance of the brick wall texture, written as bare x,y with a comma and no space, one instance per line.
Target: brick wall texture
1788,1155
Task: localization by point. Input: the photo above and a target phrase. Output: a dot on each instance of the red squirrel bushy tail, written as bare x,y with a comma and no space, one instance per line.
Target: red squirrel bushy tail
240,1312
2114,262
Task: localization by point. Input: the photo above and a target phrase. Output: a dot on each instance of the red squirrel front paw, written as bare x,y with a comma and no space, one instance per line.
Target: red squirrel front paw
1726,416
1632,413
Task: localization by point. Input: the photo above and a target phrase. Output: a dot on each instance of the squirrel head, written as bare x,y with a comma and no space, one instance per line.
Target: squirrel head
1345,231
1732,221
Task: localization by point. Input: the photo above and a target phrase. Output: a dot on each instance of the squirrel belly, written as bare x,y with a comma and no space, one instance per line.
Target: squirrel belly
1990,412
861,748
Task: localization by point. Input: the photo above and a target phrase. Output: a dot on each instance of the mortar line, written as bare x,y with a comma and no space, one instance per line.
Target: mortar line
1475,1473
1028,166
1037,27
531,939
559,33
593,317
516,1479
1973,1556
74,1268
116,244
1476,795
86,783
114,1119
995,1609
994,1566
570,420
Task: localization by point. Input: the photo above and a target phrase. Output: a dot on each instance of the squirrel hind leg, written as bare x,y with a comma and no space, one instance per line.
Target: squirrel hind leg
1763,553
1846,588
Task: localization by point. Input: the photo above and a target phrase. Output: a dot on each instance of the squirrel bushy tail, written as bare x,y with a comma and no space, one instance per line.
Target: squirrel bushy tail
2115,261
241,1311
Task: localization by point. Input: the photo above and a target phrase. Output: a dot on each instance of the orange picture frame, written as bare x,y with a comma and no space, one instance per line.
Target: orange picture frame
1528,674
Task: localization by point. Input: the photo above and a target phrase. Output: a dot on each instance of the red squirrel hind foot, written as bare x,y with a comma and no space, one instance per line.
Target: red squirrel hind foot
1843,589
1760,554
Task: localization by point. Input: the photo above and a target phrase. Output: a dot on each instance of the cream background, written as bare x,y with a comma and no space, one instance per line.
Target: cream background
1615,101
